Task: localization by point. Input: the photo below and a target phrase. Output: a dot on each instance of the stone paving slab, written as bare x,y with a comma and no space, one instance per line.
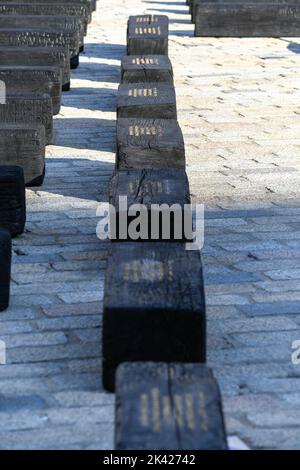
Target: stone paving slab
238,106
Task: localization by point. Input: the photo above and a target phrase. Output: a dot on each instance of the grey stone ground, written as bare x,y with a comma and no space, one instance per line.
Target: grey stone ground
238,103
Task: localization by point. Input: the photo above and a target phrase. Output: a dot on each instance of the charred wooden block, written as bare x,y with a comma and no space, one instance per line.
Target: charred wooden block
154,307
24,145
162,406
90,4
29,108
57,57
154,189
40,37
5,263
146,100
33,79
149,143
147,34
147,68
63,24
81,11
12,197
247,20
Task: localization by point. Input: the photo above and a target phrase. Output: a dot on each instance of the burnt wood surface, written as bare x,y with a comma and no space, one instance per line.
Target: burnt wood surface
149,143
78,10
147,34
154,307
146,68
91,4
162,406
33,79
150,187
5,263
38,56
24,145
251,20
28,108
146,100
12,198
40,37
64,24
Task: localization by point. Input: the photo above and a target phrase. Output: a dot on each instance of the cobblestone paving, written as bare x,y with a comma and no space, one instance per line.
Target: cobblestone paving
238,103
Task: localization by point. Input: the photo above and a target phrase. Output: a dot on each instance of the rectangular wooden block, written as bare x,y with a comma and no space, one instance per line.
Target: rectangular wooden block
149,143
28,108
5,263
41,37
24,145
147,34
148,187
154,307
57,57
251,20
147,68
163,406
12,198
77,10
146,100
90,4
63,24
33,79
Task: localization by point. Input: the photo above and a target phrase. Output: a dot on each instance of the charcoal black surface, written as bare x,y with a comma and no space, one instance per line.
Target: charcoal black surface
149,143
24,145
169,187
147,34
12,199
146,100
33,79
162,406
5,264
147,68
247,20
154,308
29,108
38,56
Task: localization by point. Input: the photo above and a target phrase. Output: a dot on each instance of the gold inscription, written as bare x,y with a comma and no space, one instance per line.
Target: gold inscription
148,30
138,92
190,411
144,410
145,61
155,410
167,413
147,19
178,410
202,412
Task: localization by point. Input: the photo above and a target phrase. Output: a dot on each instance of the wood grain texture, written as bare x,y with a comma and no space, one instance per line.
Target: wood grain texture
33,79
58,57
39,37
12,198
5,263
78,10
24,145
146,68
150,187
29,108
154,307
146,100
149,143
63,24
162,406
147,34
251,20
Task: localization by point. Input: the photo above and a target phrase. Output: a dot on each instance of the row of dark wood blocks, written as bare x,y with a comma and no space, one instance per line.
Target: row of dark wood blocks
246,18
154,326
40,41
